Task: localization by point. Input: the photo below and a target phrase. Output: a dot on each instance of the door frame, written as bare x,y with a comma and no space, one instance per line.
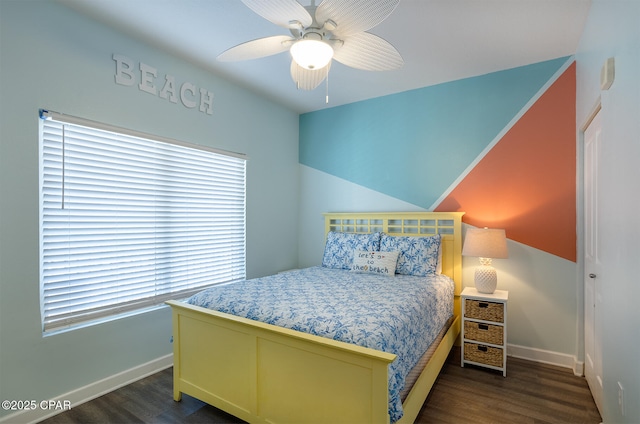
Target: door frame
581,274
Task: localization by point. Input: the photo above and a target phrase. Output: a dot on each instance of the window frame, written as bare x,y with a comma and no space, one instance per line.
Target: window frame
178,214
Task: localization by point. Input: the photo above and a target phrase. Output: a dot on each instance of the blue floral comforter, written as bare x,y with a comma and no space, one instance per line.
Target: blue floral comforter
400,315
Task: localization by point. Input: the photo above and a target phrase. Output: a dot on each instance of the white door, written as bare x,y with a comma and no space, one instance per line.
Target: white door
592,282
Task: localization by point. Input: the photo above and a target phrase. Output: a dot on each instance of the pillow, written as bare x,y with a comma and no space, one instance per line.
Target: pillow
418,255
338,251
381,263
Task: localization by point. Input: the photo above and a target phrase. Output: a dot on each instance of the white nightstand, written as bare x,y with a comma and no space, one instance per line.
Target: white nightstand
484,329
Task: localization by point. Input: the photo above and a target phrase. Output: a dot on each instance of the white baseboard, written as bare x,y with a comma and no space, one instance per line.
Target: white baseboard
91,391
547,357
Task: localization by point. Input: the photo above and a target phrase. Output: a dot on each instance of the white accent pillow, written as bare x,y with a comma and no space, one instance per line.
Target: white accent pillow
381,263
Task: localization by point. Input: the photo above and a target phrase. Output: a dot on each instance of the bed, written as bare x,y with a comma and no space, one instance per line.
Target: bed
262,372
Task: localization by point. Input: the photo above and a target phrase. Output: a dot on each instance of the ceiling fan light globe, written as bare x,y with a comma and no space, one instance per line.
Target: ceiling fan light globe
312,54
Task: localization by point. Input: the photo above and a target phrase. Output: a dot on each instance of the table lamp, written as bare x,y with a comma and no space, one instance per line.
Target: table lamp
486,244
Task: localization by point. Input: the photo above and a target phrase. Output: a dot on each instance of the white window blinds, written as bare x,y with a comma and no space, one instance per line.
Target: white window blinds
128,222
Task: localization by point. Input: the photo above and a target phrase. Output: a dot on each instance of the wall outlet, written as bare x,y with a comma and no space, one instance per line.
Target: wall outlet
621,398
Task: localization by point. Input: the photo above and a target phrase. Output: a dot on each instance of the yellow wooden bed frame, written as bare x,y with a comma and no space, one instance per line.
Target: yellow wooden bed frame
263,373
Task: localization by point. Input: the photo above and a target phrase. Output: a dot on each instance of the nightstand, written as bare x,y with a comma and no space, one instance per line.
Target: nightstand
484,329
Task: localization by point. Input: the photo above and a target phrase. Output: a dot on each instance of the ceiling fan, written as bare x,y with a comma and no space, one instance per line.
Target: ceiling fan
335,29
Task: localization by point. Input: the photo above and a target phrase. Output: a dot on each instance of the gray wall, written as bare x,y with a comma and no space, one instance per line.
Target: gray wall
51,57
613,30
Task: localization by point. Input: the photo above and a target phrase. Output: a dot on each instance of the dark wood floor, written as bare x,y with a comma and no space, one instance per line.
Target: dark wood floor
531,393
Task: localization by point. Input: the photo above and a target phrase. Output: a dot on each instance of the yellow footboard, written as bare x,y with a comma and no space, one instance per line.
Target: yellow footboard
263,373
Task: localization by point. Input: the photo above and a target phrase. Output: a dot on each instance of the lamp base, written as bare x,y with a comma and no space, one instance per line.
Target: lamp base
486,279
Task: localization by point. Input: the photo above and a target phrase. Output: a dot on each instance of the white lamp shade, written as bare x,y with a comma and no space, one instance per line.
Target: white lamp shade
485,243
312,54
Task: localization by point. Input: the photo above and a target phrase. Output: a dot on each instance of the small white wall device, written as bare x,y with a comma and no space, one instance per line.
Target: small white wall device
607,74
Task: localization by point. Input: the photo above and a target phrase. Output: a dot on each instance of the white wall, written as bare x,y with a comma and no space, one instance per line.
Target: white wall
52,57
613,30
321,193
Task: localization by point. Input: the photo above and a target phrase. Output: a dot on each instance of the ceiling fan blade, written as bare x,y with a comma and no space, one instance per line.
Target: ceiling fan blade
368,52
307,79
255,49
352,16
281,12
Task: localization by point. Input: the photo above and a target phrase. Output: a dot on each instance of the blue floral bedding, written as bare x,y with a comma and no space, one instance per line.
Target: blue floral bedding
401,314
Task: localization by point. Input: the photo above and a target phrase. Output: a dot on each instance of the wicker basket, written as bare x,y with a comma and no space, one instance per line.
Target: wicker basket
488,311
486,333
483,354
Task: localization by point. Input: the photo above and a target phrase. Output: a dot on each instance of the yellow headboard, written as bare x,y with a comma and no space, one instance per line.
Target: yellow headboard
447,224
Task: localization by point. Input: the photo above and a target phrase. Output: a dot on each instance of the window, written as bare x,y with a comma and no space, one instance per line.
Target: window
128,221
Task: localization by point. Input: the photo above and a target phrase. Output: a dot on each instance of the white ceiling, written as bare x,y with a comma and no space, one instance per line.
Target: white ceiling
440,40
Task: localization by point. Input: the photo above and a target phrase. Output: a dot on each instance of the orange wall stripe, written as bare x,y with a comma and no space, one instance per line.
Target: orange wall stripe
526,184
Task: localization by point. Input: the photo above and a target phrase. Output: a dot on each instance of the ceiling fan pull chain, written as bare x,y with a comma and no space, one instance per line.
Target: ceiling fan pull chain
326,99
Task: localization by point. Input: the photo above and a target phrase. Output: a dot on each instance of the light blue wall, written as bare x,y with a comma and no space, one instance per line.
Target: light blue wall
413,145
52,57
613,30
